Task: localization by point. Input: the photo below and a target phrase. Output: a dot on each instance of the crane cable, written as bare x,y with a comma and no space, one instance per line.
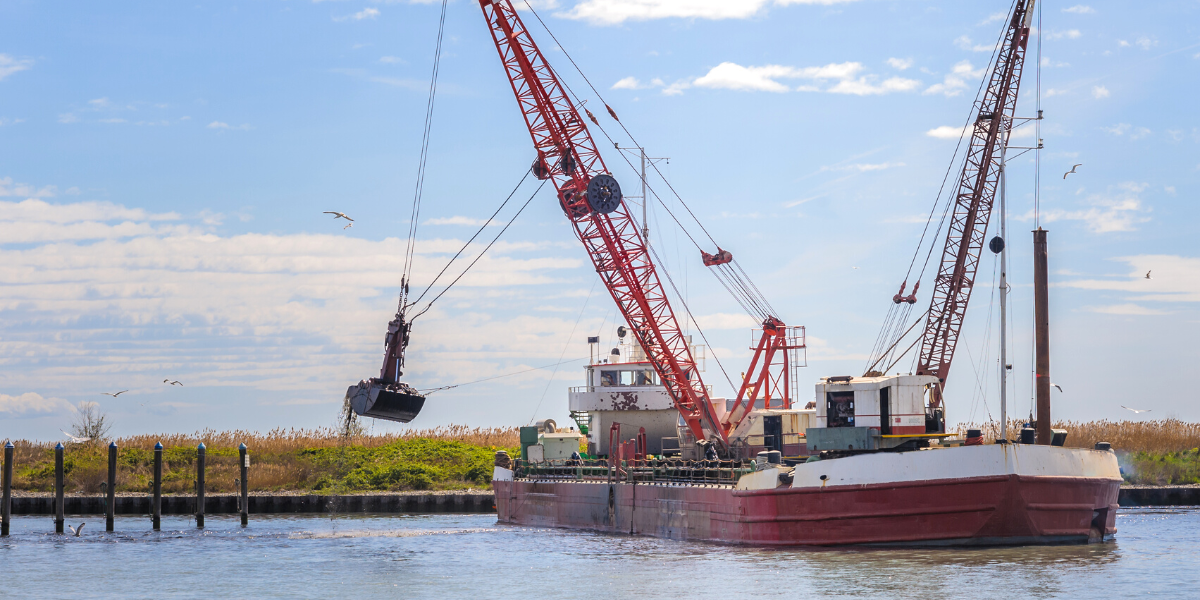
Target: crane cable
897,315
468,242
755,303
480,255
429,391
419,190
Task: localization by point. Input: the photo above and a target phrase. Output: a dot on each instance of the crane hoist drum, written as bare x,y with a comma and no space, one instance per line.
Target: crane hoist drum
604,193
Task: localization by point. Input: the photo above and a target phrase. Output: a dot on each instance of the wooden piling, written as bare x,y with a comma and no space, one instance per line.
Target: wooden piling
59,500
6,501
156,507
1041,314
110,509
200,450
244,505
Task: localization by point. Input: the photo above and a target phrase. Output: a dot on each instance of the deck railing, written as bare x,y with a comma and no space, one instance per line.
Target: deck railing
695,472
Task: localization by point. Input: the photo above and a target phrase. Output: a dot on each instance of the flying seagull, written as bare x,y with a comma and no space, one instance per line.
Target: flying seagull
77,440
172,382
1136,410
77,530
1057,386
1148,274
116,394
348,226
1072,170
338,215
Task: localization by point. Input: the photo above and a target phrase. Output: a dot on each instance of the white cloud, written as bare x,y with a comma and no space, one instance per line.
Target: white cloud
863,167
1173,279
956,80
726,321
614,12
964,42
1120,209
1099,91
1079,9
1126,309
459,220
37,221
628,83
994,17
677,88
24,190
94,295
1146,43
1118,129
866,86
10,65
847,78
900,63
366,13
223,125
1069,34
1135,133
732,76
31,404
947,132
392,60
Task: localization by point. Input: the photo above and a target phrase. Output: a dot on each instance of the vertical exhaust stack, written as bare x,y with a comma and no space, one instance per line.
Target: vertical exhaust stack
1041,309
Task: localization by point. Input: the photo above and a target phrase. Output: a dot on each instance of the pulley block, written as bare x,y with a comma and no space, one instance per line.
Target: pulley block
540,170
572,205
567,164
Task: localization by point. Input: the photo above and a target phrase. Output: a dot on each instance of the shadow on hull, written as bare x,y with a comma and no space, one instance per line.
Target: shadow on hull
388,401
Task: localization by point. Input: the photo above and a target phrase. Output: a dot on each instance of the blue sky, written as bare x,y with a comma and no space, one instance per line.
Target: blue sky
164,168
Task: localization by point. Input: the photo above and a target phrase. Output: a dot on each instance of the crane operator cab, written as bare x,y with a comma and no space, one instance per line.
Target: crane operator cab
875,413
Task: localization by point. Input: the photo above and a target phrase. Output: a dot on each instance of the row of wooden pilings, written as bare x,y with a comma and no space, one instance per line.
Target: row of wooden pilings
110,487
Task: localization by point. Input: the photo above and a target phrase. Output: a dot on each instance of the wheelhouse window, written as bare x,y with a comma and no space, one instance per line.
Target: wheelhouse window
646,377
629,378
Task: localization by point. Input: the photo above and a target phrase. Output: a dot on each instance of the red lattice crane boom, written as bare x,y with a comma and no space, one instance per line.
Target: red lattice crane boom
592,201
975,193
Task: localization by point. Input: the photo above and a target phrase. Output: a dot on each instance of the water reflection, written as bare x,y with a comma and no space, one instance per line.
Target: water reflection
470,556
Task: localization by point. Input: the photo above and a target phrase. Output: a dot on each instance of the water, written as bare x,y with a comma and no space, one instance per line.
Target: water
470,556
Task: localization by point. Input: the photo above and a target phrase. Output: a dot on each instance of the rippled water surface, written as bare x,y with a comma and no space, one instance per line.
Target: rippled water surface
1156,554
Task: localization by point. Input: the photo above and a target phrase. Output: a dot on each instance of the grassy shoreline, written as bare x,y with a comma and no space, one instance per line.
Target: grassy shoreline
443,458
1165,452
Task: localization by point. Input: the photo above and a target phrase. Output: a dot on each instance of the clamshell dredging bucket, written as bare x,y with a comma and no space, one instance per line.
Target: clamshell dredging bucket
387,401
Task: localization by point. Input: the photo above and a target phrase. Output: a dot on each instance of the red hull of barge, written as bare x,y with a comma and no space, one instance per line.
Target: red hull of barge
993,510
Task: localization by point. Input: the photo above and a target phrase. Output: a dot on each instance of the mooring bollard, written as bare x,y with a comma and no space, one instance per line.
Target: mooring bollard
244,460
156,509
200,485
59,501
110,511
6,503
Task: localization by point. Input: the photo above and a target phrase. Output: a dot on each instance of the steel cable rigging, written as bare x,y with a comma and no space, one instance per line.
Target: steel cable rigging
729,273
899,311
